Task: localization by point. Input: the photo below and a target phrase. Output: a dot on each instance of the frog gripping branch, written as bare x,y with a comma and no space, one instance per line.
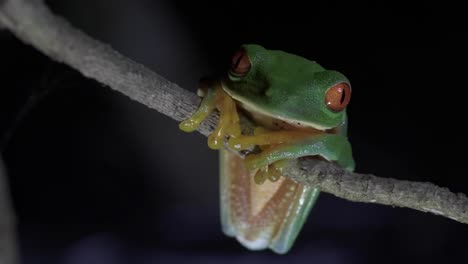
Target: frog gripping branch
299,110
261,84
281,92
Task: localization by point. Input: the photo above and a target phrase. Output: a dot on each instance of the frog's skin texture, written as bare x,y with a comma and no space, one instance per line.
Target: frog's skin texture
299,109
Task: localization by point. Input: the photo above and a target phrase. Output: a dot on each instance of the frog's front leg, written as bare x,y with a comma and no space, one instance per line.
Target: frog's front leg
332,147
215,98
263,137
207,105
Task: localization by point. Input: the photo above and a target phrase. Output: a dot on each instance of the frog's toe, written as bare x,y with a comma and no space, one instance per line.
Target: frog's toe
261,176
189,125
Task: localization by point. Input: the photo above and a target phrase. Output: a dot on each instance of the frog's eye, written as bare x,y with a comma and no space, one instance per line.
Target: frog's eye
240,64
338,96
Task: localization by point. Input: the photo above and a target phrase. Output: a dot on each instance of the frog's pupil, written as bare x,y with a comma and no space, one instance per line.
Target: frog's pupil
343,96
236,65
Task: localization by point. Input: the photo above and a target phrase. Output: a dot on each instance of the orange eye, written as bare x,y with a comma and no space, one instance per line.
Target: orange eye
338,96
240,64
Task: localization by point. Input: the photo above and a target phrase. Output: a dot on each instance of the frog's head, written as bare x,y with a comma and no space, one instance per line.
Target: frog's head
288,87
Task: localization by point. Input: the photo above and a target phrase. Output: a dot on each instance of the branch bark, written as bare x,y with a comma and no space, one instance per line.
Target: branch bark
33,23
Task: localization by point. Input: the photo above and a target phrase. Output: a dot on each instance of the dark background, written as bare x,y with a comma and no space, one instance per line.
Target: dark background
97,178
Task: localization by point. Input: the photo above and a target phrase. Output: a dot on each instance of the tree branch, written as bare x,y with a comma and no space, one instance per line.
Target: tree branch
33,23
8,252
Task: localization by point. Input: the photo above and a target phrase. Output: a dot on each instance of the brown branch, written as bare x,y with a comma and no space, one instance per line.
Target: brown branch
368,188
34,24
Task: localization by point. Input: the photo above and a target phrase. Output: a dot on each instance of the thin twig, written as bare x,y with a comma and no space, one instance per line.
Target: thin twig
8,251
34,24
46,86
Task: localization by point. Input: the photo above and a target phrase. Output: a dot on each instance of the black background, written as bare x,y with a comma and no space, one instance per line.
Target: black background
97,178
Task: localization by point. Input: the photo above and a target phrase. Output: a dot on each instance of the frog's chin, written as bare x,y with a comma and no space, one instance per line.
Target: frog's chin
251,108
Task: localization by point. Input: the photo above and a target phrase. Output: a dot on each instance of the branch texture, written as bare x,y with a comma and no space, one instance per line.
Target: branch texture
33,23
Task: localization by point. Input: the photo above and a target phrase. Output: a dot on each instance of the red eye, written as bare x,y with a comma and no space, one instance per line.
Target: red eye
240,64
338,96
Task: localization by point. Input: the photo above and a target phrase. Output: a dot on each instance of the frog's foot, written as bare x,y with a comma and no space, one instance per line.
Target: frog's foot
207,106
229,124
215,98
271,172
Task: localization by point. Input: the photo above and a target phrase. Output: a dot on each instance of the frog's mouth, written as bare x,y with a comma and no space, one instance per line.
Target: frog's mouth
268,119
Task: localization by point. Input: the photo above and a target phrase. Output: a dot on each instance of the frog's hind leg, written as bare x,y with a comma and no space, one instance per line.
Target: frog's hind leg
261,216
296,197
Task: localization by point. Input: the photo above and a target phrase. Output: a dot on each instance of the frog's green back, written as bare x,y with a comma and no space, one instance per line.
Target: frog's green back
287,86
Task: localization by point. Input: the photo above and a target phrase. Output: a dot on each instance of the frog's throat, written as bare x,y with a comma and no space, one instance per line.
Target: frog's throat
251,107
